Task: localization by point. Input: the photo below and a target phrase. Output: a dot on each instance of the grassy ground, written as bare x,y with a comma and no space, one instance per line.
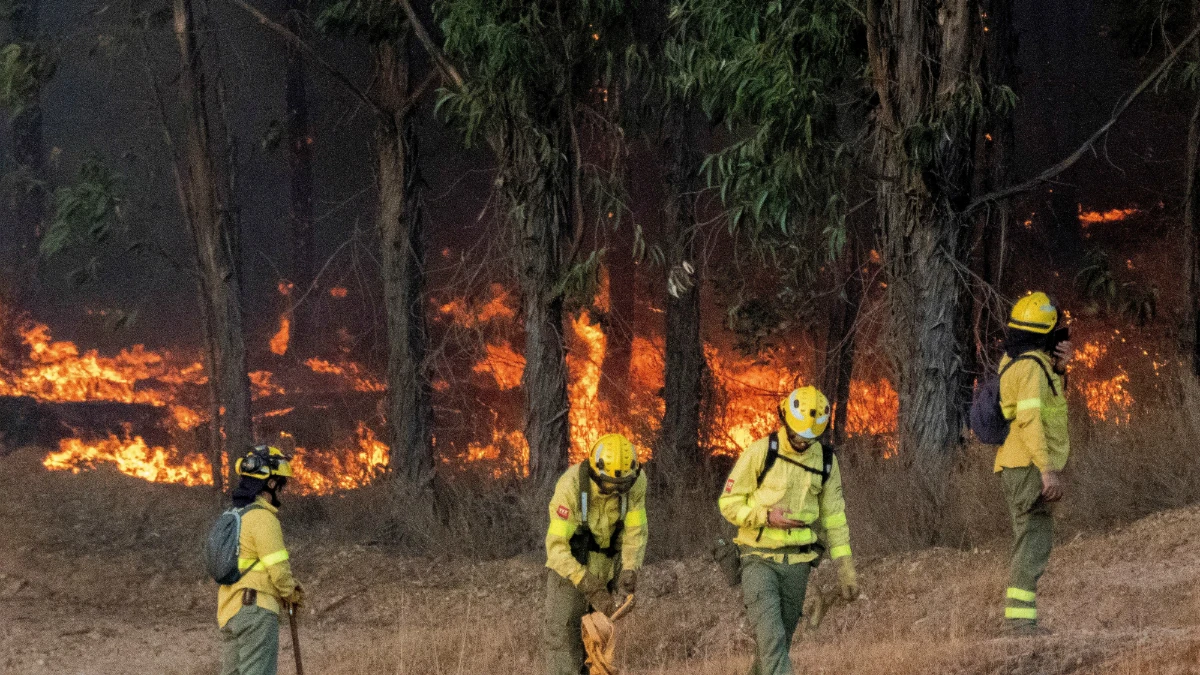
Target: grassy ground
100,574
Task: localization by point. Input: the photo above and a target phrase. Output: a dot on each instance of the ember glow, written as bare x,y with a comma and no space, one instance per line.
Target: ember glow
1087,218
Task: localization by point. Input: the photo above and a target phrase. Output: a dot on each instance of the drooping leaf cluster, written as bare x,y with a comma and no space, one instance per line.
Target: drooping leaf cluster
85,212
775,74
377,21
24,69
538,79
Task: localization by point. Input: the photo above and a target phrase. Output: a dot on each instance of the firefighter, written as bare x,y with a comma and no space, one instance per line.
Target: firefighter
1033,398
595,545
248,610
780,489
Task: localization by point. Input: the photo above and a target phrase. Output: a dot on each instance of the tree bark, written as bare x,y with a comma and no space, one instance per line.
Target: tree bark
622,302
685,363
1191,211
208,212
300,212
842,341
994,169
925,240
402,239
29,211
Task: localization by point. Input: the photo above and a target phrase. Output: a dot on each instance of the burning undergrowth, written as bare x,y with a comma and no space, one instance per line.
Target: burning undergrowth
146,413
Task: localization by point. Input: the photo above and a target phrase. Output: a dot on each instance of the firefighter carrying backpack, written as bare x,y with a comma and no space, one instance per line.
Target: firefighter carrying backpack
583,542
727,554
224,544
987,417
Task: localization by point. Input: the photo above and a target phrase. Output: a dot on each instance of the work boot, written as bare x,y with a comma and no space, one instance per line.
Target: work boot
1022,629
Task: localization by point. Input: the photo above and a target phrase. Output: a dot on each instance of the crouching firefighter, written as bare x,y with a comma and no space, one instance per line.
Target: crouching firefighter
781,488
248,609
595,545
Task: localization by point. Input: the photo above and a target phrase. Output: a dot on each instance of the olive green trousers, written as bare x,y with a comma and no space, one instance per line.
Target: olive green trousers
563,636
250,643
774,597
1033,536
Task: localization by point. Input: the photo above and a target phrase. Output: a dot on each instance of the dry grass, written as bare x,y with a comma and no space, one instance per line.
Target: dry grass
97,567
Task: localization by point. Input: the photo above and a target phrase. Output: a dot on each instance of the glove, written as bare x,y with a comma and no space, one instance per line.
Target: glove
627,582
847,579
297,598
597,594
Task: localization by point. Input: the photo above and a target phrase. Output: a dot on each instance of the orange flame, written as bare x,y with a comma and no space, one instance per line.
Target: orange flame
279,343
1111,216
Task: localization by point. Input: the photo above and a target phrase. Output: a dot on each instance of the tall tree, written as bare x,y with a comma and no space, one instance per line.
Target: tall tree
685,365
400,225
995,164
207,203
300,168
529,70
929,101
1191,204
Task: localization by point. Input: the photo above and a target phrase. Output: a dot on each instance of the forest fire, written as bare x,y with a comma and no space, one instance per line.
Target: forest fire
745,391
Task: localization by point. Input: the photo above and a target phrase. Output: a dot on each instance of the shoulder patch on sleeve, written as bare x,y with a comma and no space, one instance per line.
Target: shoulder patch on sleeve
564,512
729,486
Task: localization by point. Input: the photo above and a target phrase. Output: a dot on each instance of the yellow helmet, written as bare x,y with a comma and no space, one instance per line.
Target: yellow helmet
805,412
1035,313
613,462
264,461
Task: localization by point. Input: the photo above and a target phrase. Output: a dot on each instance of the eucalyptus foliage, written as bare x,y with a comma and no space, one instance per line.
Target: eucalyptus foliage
24,69
85,212
537,77
774,73
376,20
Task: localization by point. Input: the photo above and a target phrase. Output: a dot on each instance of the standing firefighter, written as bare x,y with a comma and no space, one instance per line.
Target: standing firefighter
1033,398
781,487
248,609
597,536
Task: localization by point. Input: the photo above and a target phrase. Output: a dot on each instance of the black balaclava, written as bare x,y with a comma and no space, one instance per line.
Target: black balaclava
1017,342
272,486
247,489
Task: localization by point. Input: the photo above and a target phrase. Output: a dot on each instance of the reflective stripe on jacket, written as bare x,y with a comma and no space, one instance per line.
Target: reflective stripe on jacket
1038,433
801,493
264,561
603,513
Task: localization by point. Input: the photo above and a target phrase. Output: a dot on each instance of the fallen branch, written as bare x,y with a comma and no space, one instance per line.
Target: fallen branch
1074,157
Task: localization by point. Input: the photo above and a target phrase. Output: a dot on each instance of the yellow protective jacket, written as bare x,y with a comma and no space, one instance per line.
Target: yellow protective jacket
264,561
801,494
603,513
1038,415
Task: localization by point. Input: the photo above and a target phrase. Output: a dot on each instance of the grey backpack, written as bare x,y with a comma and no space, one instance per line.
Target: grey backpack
224,544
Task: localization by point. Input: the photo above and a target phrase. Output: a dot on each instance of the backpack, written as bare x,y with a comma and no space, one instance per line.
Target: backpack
582,542
224,545
727,554
987,417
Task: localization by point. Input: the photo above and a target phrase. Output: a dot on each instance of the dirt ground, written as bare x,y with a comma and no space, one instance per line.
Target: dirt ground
100,574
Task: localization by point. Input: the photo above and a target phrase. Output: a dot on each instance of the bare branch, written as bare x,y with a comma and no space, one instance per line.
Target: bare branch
311,55
1082,150
435,52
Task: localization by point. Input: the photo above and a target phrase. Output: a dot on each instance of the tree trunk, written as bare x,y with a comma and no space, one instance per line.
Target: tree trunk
925,241
208,213
994,169
685,364
622,302
841,344
30,203
402,239
1191,211
300,212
